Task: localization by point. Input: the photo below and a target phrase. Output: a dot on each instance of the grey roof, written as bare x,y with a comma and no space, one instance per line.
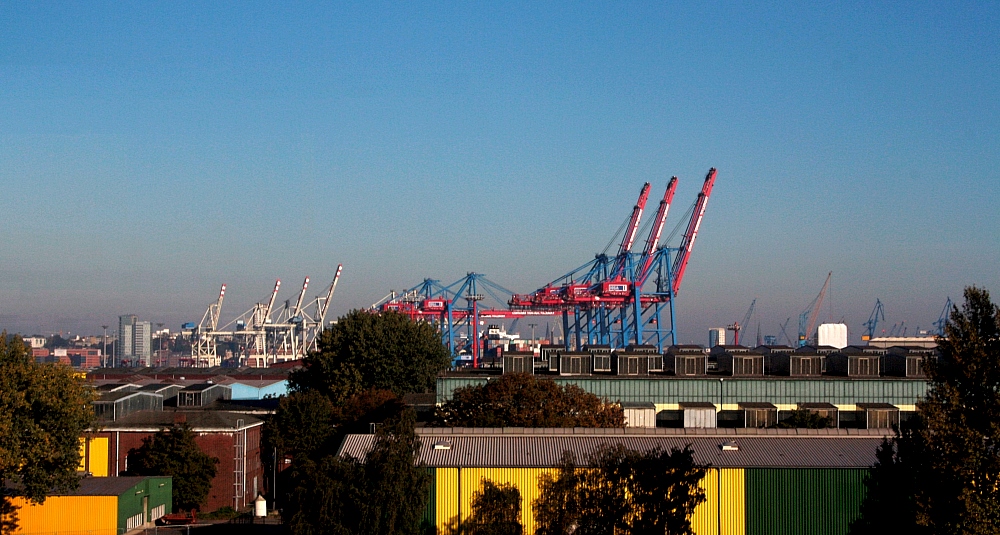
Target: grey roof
203,386
756,405
111,397
198,420
104,486
533,448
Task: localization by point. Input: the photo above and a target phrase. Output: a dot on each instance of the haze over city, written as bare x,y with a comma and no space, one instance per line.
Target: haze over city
150,152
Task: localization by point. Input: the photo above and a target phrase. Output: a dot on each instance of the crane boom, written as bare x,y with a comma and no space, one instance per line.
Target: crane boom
270,304
807,321
329,296
655,232
687,243
218,308
633,227
302,294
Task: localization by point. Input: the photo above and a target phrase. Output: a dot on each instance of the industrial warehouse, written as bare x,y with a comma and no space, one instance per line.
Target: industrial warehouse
758,481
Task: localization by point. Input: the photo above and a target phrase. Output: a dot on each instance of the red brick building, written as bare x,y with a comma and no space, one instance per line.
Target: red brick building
231,437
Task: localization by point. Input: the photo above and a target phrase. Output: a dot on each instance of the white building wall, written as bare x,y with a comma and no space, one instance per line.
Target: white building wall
832,334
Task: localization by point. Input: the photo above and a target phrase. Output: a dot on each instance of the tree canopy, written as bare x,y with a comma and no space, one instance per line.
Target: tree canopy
947,464
173,452
623,490
363,351
44,410
523,400
496,510
384,493
804,419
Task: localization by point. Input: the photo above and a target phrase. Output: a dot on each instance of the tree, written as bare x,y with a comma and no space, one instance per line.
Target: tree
961,432
384,493
363,351
947,466
523,400
173,452
496,510
557,508
889,505
623,491
44,410
804,419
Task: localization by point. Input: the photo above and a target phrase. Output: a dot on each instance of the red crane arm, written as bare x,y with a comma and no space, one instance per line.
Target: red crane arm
633,227
655,232
680,264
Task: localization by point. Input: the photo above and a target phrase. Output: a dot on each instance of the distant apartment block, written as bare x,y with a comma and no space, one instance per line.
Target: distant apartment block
135,341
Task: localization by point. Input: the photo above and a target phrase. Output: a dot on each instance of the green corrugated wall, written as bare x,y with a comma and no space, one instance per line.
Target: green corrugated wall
809,501
665,390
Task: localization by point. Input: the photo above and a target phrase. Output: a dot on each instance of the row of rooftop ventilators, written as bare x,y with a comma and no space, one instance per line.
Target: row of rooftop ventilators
744,362
763,415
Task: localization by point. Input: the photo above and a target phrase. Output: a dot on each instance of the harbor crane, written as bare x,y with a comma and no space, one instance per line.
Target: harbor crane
807,320
878,314
738,326
263,334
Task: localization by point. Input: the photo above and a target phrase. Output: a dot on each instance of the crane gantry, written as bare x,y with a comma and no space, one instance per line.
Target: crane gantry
617,301
262,334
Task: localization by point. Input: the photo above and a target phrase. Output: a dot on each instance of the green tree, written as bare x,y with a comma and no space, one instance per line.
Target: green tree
173,452
363,351
622,491
804,419
558,507
496,510
384,493
44,411
947,466
961,434
523,400
889,505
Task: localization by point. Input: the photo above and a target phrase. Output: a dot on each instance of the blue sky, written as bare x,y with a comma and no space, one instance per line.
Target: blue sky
151,151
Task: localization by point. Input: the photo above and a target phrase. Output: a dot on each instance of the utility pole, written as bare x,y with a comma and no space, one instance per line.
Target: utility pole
532,325
104,355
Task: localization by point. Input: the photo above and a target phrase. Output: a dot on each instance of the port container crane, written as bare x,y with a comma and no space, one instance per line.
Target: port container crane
649,253
629,238
687,244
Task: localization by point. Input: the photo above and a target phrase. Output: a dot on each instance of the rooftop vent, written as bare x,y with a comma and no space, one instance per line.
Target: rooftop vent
729,445
442,445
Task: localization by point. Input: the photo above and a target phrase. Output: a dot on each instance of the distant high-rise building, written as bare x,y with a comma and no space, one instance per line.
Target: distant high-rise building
716,336
135,340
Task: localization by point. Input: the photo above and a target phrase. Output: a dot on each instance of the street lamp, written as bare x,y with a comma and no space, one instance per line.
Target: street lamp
104,354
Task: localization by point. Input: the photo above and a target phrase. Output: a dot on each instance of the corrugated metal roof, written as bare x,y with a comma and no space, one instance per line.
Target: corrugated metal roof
530,450
99,486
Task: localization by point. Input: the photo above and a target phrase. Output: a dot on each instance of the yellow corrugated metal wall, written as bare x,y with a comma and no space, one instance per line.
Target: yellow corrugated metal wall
68,515
724,493
723,511
94,456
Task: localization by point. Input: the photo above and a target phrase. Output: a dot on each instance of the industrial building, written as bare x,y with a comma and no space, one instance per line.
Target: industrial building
730,379
100,506
758,482
233,438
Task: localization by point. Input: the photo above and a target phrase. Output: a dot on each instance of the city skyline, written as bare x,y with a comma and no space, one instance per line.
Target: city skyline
153,152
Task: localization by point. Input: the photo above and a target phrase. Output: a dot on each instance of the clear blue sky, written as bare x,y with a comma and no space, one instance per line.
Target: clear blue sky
151,151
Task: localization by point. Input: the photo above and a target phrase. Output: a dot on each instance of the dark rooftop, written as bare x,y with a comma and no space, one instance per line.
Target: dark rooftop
758,448
198,420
